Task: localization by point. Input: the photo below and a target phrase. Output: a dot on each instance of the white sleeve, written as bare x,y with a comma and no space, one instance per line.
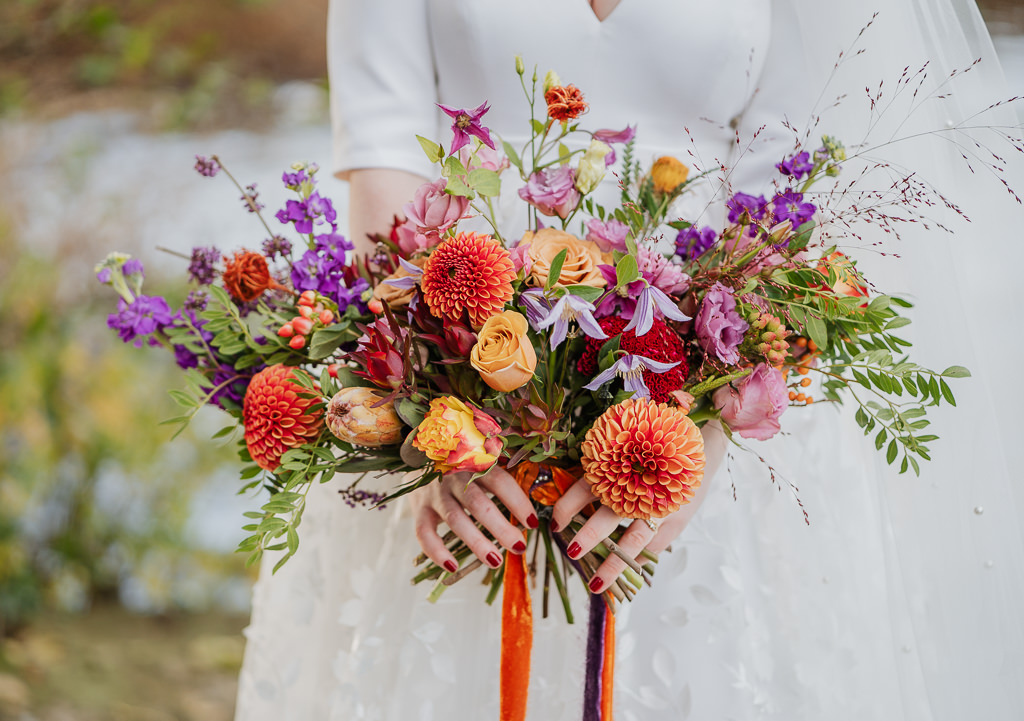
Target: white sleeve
383,87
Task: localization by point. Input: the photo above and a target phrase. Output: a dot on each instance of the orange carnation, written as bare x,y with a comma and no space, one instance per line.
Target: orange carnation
565,102
276,417
246,276
471,272
643,459
668,173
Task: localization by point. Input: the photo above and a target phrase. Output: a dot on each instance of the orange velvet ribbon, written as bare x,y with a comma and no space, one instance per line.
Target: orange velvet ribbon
516,639
608,667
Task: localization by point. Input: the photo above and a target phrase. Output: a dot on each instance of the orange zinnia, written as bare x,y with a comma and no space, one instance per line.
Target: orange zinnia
565,102
643,459
276,417
471,272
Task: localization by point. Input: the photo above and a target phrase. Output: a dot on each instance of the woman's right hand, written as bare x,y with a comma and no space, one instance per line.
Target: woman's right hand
456,502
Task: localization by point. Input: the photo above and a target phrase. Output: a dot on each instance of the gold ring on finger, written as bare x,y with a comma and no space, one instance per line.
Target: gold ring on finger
651,524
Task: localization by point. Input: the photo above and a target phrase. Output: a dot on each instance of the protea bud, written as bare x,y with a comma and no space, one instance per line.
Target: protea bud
354,416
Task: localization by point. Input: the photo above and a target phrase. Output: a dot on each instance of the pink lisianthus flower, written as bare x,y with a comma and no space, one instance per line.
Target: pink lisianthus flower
609,235
411,241
552,191
521,258
719,327
432,210
753,407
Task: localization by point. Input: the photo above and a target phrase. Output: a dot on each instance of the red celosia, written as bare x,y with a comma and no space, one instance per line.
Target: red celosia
471,272
276,417
661,343
565,102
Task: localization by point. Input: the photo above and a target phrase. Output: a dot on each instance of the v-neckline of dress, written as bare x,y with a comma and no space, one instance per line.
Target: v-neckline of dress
593,14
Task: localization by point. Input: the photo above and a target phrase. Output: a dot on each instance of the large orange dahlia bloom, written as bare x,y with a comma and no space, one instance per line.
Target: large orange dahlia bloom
643,459
471,272
276,417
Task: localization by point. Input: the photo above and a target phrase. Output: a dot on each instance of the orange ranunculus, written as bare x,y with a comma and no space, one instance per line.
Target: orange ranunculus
503,353
246,276
668,173
582,258
458,437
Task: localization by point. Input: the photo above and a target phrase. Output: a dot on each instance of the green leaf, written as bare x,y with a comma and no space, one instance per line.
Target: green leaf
453,167
891,451
903,466
513,156
880,439
587,292
485,182
947,393
956,372
182,399
433,150
455,186
556,268
626,271
410,412
818,331
897,322
326,340
538,127
917,468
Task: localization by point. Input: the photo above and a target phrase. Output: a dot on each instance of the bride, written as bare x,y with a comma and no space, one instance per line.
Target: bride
900,599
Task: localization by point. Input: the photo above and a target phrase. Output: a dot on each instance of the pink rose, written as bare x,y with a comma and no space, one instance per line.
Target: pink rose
753,409
432,210
609,235
410,240
552,191
521,258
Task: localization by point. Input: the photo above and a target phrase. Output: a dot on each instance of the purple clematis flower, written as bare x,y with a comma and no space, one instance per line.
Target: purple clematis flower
614,136
631,369
643,317
467,122
568,308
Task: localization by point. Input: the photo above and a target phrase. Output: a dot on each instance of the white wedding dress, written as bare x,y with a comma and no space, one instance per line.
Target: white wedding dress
897,601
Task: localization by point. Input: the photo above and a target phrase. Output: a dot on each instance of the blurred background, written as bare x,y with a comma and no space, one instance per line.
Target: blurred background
120,595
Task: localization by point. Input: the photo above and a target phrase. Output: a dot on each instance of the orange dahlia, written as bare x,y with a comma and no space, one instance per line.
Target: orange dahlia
276,417
471,272
565,102
643,459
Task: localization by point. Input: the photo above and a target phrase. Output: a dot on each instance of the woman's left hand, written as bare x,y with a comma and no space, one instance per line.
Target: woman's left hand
639,535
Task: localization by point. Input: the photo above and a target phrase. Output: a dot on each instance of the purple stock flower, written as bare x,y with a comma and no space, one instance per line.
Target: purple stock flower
305,213
195,302
104,276
251,199
277,246
133,266
143,316
719,327
797,166
631,369
742,203
552,191
323,270
202,267
293,181
207,167
790,206
692,243
467,122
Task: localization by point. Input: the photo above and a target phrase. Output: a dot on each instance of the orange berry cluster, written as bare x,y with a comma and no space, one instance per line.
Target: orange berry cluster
767,336
311,312
805,351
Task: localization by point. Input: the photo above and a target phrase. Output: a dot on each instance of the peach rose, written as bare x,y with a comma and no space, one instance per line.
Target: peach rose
582,258
458,437
503,353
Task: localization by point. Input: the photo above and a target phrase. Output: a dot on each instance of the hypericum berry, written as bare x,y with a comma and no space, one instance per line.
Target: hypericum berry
326,317
375,306
308,297
306,311
302,326
286,331
297,342
332,370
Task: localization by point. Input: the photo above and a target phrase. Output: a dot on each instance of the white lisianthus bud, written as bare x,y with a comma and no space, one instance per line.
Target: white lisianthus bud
592,168
551,80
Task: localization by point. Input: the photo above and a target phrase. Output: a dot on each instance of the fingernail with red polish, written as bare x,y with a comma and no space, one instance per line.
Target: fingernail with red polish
493,560
451,566
595,584
520,547
532,521
555,526
573,550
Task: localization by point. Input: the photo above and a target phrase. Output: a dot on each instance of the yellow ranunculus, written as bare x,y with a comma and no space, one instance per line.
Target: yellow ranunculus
592,168
668,173
458,437
582,258
503,353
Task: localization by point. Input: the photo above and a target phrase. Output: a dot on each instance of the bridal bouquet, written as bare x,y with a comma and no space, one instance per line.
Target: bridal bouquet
592,346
